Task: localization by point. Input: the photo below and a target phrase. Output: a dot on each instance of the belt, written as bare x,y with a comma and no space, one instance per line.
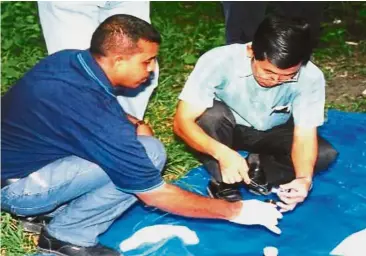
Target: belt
7,182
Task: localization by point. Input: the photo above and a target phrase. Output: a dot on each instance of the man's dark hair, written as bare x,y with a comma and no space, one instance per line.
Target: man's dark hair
120,33
284,42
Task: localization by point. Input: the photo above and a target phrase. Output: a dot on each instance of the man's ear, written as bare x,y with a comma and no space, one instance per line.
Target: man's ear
250,52
119,60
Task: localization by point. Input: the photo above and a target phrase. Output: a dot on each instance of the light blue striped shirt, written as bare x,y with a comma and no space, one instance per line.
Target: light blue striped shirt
225,74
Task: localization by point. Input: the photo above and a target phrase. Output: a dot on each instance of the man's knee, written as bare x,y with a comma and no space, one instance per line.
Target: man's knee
217,115
155,150
326,155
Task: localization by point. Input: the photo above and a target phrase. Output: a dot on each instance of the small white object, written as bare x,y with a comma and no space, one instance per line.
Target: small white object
275,190
353,245
270,251
157,233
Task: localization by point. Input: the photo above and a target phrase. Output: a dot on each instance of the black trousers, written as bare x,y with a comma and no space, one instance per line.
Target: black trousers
242,18
273,146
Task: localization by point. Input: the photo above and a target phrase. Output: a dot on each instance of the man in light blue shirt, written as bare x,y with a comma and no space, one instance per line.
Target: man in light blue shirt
265,97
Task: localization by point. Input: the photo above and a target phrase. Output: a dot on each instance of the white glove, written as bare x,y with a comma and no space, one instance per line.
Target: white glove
255,212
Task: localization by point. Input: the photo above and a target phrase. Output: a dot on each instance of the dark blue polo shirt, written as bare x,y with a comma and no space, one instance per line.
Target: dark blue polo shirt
65,106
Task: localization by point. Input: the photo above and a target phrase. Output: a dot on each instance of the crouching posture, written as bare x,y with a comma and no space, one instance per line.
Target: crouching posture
264,97
70,152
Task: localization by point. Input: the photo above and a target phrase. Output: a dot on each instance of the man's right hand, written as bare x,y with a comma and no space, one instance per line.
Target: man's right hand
233,166
255,212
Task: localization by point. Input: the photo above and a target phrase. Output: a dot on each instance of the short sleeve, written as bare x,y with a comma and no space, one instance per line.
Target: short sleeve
96,128
308,105
199,90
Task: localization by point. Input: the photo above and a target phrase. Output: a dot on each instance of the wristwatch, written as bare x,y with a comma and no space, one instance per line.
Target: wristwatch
138,123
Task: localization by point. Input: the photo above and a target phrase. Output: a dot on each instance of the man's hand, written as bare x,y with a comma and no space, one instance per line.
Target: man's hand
233,166
293,193
255,212
144,129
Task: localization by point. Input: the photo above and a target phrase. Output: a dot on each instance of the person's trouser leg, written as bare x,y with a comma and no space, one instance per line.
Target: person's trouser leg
242,19
274,149
309,10
218,122
133,101
68,25
93,202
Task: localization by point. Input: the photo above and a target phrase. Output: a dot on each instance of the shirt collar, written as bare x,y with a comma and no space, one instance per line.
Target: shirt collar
243,64
94,71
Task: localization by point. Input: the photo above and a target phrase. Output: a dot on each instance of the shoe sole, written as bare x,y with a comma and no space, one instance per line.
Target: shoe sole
50,252
31,227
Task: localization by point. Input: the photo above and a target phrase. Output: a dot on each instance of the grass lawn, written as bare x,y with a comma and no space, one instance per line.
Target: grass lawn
188,29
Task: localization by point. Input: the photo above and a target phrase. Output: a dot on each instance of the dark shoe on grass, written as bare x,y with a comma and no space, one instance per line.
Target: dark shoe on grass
34,224
49,244
221,190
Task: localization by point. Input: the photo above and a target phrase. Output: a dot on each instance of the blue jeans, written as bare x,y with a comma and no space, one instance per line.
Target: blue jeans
89,200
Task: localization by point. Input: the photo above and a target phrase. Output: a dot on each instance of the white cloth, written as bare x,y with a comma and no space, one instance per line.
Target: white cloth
158,233
353,245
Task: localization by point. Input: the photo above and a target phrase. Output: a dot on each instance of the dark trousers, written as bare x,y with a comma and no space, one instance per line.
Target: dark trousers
273,146
242,18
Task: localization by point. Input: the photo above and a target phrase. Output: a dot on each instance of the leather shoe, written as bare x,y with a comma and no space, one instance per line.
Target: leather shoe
258,184
34,224
49,244
221,190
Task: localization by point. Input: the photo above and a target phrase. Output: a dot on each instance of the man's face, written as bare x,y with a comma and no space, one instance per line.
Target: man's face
131,71
268,75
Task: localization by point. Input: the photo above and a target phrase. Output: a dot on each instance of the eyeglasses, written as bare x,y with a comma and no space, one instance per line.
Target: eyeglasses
279,80
273,77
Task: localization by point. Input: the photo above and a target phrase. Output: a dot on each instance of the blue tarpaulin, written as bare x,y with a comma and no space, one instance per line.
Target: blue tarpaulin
335,208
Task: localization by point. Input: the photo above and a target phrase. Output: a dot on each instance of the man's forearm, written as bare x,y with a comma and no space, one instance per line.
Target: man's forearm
304,154
181,202
197,138
132,119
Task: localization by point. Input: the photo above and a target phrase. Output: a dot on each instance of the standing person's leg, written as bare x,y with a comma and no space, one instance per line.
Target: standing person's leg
242,19
68,25
133,101
274,149
218,122
139,9
311,11
93,202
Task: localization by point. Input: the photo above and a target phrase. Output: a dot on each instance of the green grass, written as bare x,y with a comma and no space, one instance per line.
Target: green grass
188,29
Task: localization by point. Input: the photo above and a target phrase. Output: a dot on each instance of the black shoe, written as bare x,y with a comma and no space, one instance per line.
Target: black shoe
34,224
258,184
49,244
221,190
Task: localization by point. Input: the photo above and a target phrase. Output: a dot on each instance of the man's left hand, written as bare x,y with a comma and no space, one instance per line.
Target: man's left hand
144,129
293,193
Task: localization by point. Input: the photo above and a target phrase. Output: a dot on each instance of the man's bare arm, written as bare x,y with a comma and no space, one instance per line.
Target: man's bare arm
142,128
304,151
173,199
233,166
185,126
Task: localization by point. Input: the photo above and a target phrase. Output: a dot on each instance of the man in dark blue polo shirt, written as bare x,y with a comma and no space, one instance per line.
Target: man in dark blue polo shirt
69,148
